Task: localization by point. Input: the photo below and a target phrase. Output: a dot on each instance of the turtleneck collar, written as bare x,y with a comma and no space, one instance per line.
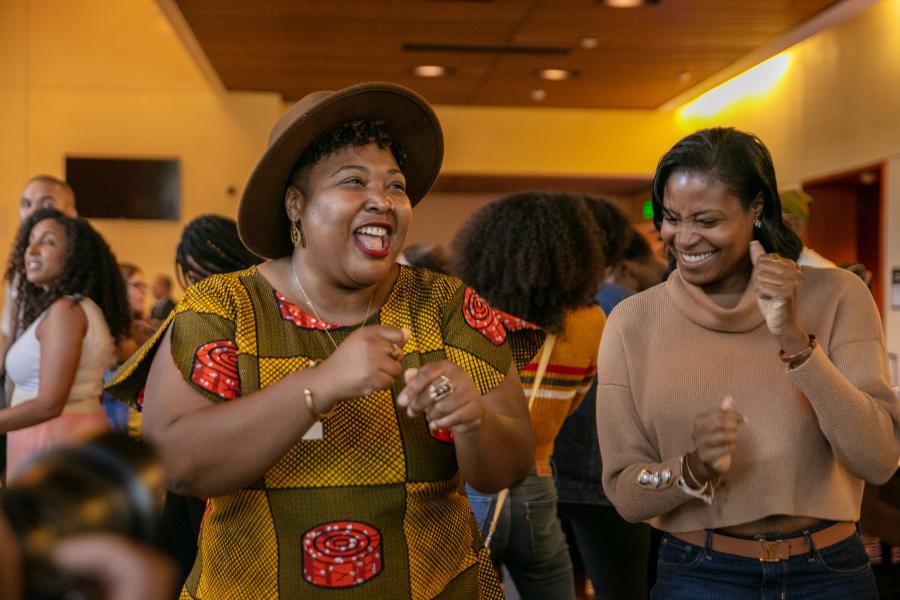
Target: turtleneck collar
698,307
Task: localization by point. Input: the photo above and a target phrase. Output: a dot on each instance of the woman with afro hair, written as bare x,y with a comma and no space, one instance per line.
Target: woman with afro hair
537,258
70,306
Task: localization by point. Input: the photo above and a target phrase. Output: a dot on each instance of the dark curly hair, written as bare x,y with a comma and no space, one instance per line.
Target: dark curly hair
534,255
90,271
210,245
351,133
743,164
614,224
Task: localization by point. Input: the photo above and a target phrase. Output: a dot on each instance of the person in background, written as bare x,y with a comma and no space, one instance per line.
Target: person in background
137,289
616,232
210,245
616,570
743,404
70,306
162,298
329,403
640,268
428,256
141,328
795,210
538,258
860,271
41,191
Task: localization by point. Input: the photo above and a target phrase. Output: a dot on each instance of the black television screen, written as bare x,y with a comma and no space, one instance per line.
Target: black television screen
112,188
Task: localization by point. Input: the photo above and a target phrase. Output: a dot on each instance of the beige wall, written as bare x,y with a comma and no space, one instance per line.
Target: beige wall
111,78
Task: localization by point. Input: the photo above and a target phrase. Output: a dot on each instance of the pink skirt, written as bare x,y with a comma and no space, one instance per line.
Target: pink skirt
72,427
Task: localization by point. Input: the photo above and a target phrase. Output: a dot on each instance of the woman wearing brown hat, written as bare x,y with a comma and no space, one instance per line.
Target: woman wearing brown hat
333,455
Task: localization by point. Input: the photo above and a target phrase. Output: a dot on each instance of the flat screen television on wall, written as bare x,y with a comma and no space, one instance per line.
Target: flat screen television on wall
130,188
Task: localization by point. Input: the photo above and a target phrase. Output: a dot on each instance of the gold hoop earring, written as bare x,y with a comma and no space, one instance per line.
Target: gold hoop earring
297,235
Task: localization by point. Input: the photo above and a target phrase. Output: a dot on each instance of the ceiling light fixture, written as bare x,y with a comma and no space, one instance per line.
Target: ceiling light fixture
588,42
538,95
431,71
556,74
627,3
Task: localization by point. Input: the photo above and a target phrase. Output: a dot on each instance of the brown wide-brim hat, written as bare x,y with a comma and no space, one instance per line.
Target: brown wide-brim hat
263,224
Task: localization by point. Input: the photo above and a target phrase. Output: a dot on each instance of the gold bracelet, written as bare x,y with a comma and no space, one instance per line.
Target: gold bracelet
312,406
687,469
713,483
705,492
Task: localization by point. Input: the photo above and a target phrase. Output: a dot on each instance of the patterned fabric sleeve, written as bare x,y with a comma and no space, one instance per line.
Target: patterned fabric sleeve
476,338
204,345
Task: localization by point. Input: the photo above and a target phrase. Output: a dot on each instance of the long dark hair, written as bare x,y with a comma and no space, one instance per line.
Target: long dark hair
90,270
743,164
534,255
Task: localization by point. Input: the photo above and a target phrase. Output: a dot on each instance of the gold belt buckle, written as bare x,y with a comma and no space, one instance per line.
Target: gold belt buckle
770,550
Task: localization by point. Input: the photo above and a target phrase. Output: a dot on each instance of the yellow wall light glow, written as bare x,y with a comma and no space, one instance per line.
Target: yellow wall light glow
752,84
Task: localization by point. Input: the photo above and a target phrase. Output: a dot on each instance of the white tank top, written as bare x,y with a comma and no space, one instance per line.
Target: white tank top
23,362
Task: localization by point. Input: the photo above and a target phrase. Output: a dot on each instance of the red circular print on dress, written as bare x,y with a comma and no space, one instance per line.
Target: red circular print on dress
216,369
341,554
139,400
480,317
297,316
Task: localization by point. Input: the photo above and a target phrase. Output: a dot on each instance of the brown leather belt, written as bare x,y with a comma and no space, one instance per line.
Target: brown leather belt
770,550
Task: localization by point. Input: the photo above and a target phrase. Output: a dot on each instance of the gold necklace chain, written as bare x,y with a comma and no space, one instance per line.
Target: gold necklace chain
316,313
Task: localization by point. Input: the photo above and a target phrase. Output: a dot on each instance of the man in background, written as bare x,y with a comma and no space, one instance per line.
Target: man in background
795,210
162,295
639,267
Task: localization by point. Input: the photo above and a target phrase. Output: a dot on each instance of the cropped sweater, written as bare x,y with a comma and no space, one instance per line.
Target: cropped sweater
569,375
813,434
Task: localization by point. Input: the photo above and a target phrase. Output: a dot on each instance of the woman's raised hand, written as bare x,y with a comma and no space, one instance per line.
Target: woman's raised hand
777,280
368,360
445,393
715,435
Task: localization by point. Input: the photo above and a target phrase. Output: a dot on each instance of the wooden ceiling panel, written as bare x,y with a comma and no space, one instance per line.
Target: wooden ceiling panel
643,57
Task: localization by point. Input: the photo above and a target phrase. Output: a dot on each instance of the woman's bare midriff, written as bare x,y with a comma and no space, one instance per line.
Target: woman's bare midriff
772,524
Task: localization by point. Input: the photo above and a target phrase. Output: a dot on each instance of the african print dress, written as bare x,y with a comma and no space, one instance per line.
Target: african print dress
373,506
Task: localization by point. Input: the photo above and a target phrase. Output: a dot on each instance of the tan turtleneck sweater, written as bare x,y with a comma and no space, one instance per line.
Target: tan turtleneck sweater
814,433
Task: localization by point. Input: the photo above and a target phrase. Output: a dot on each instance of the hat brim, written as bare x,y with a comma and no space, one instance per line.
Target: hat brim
262,221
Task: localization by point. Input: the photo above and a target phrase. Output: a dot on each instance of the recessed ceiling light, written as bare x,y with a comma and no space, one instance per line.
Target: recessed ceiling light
537,95
684,77
588,42
628,3
431,71
556,74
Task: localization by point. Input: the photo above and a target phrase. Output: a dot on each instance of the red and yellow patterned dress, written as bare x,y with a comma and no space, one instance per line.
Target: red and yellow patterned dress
375,508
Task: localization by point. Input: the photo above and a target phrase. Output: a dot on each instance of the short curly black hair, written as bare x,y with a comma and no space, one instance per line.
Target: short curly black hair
351,133
90,271
534,255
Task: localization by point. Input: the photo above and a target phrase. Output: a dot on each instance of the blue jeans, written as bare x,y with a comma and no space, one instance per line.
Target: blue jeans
839,572
529,539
